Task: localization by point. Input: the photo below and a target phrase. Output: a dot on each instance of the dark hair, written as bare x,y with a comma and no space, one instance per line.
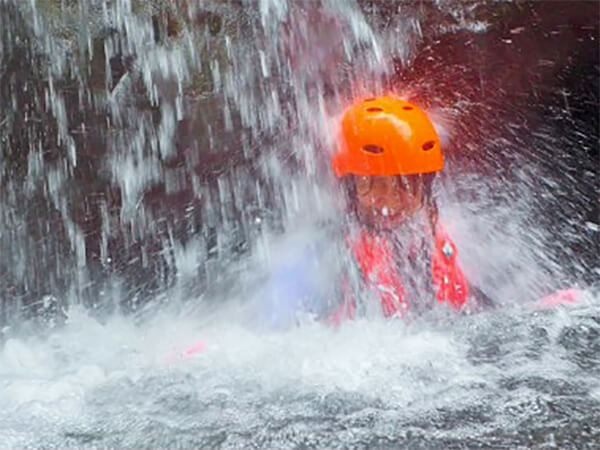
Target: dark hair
350,195
430,203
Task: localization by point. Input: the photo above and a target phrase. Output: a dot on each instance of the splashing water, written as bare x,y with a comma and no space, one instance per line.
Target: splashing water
155,154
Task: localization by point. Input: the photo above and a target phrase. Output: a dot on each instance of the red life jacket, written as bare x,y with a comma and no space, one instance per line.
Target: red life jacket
376,261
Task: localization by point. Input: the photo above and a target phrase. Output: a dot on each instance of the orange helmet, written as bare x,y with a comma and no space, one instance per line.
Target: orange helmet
387,136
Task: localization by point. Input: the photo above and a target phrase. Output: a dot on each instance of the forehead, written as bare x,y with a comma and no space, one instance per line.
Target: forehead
371,178
395,179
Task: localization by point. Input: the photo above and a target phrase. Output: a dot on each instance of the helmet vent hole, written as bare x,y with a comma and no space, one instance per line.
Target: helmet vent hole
407,108
374,109
370,99
428,145
373,149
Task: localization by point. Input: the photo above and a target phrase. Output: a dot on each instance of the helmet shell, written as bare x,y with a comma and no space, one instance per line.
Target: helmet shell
385,136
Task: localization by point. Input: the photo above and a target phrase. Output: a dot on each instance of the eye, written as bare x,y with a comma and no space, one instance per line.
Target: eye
363,184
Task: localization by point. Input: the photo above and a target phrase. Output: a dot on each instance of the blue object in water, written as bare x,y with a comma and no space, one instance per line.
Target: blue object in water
292,289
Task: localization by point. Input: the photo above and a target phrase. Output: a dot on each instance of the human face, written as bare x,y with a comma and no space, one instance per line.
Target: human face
388,201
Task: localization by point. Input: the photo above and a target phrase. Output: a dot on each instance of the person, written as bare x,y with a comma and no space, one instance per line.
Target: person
387,161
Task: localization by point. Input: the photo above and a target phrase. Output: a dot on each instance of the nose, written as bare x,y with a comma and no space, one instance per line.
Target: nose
380,202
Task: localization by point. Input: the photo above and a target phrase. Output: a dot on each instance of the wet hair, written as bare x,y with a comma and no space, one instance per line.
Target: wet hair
430,203
350,194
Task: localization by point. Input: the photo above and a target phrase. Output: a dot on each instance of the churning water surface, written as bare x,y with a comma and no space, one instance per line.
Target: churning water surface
145,192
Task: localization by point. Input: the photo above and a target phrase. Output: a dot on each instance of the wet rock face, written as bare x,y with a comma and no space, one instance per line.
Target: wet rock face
130,135
28,137
62,76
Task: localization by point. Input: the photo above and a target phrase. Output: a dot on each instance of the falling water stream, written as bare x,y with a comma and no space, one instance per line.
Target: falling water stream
159,158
